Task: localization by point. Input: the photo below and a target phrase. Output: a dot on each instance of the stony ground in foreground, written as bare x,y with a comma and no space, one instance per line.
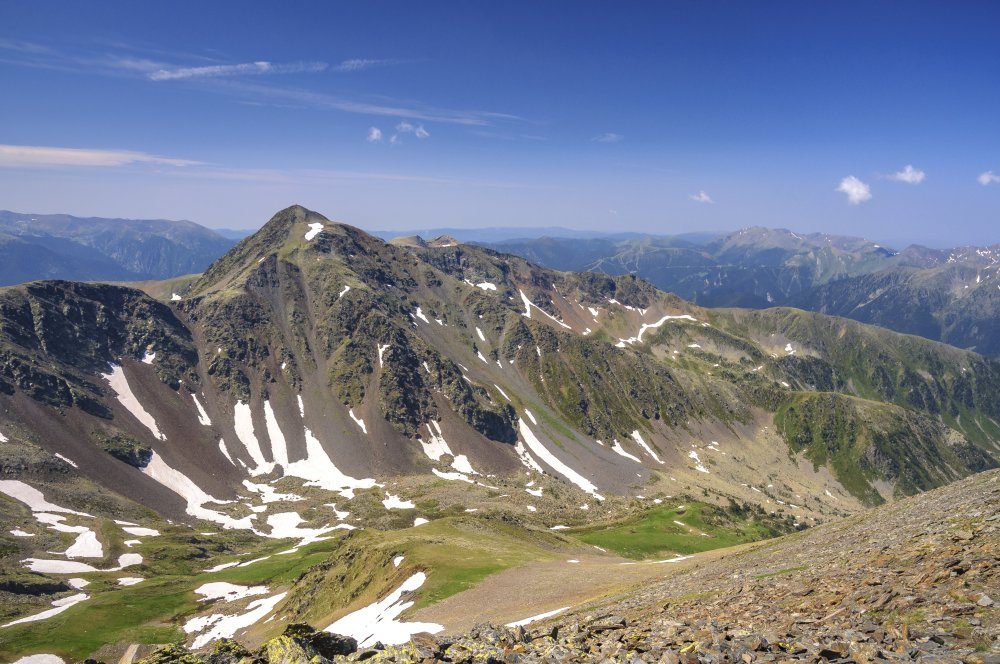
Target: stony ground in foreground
917,580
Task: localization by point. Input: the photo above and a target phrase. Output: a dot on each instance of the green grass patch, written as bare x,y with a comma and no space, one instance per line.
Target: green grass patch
655,532
151,612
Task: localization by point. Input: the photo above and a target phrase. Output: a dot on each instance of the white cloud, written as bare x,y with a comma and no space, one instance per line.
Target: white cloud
609,137
909,175
989,177
374,135
243,69
14,156
235,79
360,64
857,191
701,197
405,127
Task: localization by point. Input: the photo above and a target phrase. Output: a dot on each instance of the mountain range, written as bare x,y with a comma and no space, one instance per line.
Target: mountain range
421,415
59,246
950,295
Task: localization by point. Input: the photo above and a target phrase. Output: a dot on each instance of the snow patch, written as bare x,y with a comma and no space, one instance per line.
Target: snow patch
195,497
392,502
378,622
528,304
540,616
637,437
314,229
224,627
119,385
60,606
319,470
66,459
698,465
617,447
243,426
203,418
357,420
549,458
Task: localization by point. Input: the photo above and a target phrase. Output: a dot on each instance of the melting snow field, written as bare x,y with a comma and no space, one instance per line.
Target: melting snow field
357,420
319,470
130,580
650,326
617,447
528,304
392,502
86,546
243,425
225,626
58,566
637,437
60,606
32,497
119,385
377,622
228,592
314,230
549,458
540,616
195,497
203,417
698,465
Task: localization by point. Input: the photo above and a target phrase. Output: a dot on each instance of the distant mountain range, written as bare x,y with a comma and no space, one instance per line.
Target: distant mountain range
59,246
950,295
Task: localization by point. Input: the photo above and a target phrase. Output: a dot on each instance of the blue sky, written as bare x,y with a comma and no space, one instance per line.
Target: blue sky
661,117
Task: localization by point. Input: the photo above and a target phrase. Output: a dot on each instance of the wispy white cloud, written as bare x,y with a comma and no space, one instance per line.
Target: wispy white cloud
987,178
909,175
374,135
701,197
408,110
609,137
361,64
405,127
234,80
35,156
23,46
857,192
242,69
